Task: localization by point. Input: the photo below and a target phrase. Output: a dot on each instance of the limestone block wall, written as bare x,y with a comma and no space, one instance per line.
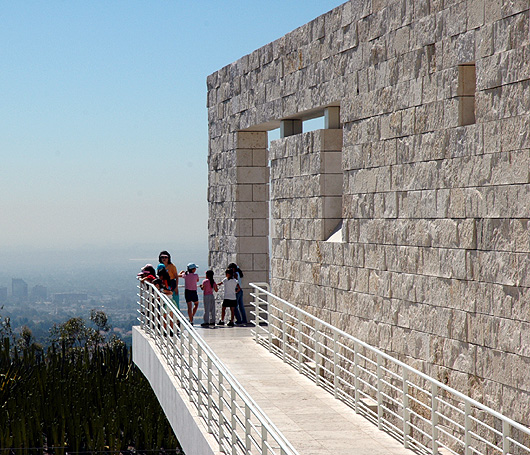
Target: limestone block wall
434,263
238,196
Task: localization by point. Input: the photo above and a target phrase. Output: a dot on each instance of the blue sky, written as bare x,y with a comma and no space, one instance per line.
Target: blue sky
103,120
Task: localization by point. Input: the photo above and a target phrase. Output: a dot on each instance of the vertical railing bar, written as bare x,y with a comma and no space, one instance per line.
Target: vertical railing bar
356,375
379,392
190,367
199,381
406,412
434,417
506,434
233,409
248,429
284,334
335,365
221,415
264,450
299,340
269,328
317,353
257,307
210,400
467,429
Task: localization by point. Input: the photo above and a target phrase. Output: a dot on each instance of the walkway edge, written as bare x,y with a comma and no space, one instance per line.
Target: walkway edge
182,416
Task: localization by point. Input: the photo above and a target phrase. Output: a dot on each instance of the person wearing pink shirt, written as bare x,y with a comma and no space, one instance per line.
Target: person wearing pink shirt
209,286
190,290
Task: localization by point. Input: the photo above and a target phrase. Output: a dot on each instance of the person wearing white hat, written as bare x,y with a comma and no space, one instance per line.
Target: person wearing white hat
190,290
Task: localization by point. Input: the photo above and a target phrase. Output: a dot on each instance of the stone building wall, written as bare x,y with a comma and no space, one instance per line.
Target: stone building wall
434,263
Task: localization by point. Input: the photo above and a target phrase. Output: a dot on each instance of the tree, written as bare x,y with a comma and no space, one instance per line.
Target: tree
72,333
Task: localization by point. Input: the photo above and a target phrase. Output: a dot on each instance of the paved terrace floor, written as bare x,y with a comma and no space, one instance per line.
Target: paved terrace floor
313,421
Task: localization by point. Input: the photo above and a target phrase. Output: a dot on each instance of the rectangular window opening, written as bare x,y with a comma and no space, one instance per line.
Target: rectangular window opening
467,83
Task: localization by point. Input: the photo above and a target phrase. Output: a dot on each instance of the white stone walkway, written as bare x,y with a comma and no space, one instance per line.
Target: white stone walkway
312,420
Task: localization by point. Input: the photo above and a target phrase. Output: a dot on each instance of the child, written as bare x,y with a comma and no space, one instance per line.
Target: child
231,288
241,315
190,290
164,278
147,273
208,286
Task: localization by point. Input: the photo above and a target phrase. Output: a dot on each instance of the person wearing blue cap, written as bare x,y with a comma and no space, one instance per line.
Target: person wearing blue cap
190,290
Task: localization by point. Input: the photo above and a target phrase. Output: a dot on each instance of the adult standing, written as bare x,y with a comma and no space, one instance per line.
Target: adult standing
165,258
241,315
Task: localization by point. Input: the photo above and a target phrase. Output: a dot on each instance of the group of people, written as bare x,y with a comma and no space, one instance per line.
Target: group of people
166,278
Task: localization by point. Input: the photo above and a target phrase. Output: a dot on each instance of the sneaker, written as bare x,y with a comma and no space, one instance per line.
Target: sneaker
221,323
212,324
230,324
205,324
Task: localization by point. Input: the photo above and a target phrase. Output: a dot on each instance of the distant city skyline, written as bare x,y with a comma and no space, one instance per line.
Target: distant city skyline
103,130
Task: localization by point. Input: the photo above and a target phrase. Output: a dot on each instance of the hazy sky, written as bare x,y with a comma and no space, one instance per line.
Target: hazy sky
103,120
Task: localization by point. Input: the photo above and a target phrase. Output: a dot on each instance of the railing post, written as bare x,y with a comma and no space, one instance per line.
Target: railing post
248,429
221,415
264,450
233,419
434,417
299,340
258,313
506,433
406,412
181,357
379,392
269,320
467,429
284,334
335,365
356,375
142,305
190,367
199,380
210,400
317,353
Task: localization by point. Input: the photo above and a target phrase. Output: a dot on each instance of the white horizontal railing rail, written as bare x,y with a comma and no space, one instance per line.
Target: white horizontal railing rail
424,414
230,414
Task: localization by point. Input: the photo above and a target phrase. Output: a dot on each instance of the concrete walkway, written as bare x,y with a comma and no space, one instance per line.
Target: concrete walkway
312,420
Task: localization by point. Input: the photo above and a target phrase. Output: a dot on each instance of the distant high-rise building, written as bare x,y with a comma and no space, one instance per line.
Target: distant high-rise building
19,288
3,294
39,293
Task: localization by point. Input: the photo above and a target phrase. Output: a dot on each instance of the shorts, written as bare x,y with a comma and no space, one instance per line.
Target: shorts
191,296
228,303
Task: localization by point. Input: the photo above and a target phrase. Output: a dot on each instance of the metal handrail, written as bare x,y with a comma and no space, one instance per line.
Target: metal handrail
230,414
428,416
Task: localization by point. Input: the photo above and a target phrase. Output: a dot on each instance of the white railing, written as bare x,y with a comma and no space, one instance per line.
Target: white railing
230,415
421,412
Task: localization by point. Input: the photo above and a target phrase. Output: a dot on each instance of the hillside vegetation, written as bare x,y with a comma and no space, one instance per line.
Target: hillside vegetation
83,394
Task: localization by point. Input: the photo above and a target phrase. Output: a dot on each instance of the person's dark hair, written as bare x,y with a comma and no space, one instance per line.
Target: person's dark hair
164,253
209,275
236,268
230,273
163,274
150,269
